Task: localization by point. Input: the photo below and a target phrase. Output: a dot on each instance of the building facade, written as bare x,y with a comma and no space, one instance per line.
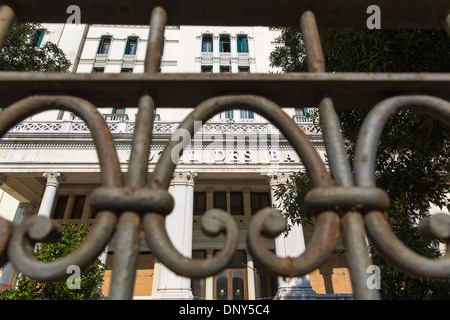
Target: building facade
49,165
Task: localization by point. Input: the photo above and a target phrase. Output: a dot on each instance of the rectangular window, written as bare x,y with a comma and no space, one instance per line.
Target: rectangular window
288,51
37,38
78,206
236,203
199,203
198,285
207,69
224,43
98,70
301,111
207,43
266,284
118,111
242,44
245,114
126,70
225,69
226,114
60,207
220,200
259,200
244,69
131,46
104,45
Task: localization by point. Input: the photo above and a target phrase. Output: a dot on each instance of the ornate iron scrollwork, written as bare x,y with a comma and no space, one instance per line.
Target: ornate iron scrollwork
124,202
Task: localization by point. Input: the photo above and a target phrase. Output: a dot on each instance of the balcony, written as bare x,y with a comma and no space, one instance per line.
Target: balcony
101,57
302,119
206,58
129,57
116,117
120,123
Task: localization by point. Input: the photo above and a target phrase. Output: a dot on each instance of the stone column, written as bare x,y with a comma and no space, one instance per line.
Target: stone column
48,198
216,57
291,245
209,282
251,277
179,226
9,274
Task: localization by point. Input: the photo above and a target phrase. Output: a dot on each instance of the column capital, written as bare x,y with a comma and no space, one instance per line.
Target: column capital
183,178
277,178
53,178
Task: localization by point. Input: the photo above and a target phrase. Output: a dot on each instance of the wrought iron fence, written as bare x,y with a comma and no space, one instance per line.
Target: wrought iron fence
343,202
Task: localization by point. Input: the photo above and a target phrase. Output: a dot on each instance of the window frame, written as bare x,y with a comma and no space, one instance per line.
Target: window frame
196,203
259,194
220,193
243,69
242,46
130,48
205,68
226,114
247,114
241,195
207,46
98,70
223,69
118,110
101,45
38,37
225,42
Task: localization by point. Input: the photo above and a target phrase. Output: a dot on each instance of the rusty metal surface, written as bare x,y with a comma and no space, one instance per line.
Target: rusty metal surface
348,90
333,13
7,17
377,228
344,202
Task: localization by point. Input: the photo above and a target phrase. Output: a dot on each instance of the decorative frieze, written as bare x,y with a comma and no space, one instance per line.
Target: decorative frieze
115,125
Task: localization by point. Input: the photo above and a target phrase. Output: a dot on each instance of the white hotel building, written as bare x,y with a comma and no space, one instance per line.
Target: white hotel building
233,162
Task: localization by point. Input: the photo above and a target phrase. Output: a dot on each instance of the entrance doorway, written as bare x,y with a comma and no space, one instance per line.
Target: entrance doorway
234,282
231,284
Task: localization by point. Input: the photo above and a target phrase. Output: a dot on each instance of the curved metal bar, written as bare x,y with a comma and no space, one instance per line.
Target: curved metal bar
154,226
401,256
377,227
108,160
214,222
6,228
7,17
269,222
369,135
20,247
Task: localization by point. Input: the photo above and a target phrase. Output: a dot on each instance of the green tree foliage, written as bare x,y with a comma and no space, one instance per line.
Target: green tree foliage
89,289
20,54
414,151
